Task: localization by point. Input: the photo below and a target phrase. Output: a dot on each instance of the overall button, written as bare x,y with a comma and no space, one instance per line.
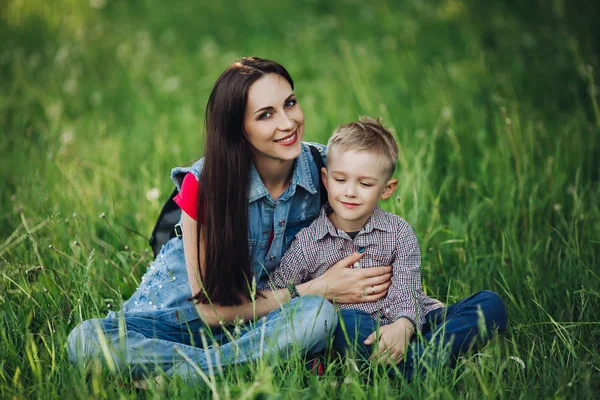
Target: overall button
281,222
272,258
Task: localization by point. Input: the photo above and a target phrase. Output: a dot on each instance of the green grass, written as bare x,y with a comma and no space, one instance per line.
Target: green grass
495,108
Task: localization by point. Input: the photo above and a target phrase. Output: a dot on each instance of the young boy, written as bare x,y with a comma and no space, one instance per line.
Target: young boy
361,158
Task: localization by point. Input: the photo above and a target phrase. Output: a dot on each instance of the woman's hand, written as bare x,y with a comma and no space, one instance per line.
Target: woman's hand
349,285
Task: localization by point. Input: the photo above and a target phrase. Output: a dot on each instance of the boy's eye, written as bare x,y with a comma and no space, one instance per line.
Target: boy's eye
290,103
365,184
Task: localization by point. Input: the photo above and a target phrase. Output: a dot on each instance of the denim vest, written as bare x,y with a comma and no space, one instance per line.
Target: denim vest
164,288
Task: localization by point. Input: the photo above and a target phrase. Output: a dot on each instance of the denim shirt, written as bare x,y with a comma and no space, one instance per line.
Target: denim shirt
164,289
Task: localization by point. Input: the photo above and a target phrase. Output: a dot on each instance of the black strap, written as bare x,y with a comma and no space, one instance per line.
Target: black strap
164,226
319,161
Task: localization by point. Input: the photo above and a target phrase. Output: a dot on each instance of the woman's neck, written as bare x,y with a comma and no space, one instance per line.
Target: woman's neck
275,174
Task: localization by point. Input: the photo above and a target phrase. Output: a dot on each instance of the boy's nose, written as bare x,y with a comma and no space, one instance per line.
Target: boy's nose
350,191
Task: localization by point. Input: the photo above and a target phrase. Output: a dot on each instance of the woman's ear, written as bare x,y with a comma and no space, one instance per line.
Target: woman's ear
390,186
324,177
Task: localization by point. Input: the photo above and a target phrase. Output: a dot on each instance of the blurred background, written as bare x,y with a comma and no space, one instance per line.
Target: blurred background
494,105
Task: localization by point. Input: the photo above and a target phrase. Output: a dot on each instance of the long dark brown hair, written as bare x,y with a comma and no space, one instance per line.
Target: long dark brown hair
225,183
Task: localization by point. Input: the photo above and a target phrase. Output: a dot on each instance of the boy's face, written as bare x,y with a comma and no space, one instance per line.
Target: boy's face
355,182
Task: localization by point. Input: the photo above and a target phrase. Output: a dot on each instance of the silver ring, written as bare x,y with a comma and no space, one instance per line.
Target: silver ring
372,289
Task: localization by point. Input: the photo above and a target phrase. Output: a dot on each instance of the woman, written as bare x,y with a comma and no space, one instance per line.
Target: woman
255,188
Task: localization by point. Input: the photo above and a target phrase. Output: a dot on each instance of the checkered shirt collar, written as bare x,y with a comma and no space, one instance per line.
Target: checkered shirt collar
377,220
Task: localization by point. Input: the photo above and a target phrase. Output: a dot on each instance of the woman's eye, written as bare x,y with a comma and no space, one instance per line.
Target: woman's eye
290,103
264,115
340,180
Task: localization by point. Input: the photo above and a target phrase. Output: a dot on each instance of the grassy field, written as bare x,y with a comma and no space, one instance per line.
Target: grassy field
495,108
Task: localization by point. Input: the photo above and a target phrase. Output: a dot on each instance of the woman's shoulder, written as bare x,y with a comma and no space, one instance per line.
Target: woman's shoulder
178,173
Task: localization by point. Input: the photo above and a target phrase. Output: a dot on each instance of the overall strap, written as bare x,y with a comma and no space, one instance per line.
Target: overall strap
316,154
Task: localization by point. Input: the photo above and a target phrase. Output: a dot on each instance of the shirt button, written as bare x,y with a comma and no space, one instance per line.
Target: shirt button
272,258
281,222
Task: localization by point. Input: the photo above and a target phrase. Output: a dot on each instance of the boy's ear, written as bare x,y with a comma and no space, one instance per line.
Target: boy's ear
390,186
324,177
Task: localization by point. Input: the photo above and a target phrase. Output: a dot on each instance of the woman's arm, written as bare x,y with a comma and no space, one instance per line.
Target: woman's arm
213,314
340,283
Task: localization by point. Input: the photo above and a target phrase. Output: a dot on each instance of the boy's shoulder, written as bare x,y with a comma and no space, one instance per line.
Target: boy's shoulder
402,229
394,220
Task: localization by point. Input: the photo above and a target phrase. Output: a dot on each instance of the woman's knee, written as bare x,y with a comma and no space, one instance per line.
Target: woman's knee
317,317
85,342
81,343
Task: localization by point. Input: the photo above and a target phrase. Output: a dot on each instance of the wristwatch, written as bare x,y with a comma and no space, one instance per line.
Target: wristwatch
293,291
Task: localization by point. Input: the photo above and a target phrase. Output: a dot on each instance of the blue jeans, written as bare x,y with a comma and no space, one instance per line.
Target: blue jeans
144,345
447,332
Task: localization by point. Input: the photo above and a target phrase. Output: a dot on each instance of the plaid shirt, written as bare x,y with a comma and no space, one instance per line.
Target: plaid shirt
387,239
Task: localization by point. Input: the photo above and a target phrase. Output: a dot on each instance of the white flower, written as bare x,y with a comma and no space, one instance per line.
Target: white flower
97,4
70,85
518,360
67,137
171,84
153,194
447,112
61,55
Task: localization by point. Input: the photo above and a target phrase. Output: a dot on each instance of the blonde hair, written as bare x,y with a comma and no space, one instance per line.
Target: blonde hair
367,134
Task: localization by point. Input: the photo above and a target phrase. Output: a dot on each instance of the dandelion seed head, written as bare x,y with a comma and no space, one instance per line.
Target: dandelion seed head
447,112
171,84
152,194
67,137
97,4
70,85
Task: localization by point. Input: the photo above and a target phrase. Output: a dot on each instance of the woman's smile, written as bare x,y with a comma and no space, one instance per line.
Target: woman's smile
289,140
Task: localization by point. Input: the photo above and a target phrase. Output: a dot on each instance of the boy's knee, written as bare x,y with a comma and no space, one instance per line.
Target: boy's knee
353,327
494,308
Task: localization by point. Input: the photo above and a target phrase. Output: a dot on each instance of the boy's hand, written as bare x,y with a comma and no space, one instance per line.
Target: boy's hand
393,339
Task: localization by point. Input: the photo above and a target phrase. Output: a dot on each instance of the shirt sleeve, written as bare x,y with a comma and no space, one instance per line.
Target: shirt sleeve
406,289
187,198
294,266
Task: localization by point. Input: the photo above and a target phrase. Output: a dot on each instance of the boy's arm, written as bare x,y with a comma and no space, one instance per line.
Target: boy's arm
406,279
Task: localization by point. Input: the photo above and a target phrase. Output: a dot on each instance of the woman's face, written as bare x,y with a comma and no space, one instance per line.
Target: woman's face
274,122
